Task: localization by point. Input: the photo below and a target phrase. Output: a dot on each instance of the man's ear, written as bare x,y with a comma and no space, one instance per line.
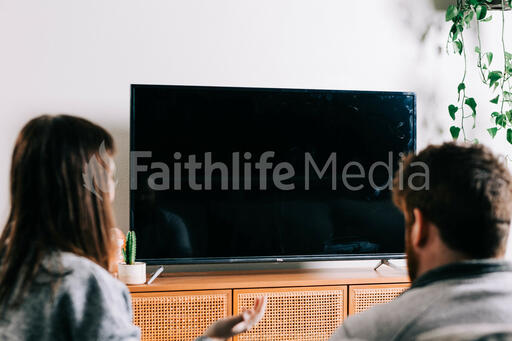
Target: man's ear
421,229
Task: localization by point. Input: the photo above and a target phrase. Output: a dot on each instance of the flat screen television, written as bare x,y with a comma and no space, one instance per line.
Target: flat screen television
226,174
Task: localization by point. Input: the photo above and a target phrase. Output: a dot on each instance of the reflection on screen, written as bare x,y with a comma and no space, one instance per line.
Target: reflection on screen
242,173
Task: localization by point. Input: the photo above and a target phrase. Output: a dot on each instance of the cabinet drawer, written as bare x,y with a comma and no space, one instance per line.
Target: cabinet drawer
295,313
179,316
363,297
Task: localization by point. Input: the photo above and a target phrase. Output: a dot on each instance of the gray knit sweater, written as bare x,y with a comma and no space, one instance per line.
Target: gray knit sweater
87,304
470,300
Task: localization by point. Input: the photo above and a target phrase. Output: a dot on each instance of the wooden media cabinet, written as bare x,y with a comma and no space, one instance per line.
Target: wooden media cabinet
301,304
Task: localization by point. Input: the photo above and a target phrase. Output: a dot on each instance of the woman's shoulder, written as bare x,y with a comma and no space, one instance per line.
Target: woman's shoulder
80,274
76,267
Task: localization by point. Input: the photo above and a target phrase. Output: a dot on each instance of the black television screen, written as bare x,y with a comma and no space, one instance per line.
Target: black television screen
224,174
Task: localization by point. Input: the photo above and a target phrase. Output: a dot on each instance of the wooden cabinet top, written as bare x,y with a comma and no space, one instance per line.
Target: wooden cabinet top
271,279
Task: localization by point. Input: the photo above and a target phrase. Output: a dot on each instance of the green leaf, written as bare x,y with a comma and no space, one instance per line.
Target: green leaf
492,131
472,104
453,31
495,114
495,99
451,12
493,77
509,115
508,56
489,56
501,120
481,12
452,109
456,30
489,18
455,132
468,17
457,46
461,87
477,50
507,96
509,135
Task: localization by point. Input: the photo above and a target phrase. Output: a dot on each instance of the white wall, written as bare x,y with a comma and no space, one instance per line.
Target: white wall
80,57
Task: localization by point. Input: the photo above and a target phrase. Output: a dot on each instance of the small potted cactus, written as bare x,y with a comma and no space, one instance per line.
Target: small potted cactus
130,271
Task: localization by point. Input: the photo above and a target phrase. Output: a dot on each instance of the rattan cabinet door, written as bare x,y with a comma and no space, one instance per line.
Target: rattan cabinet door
179,316
363,297
305,313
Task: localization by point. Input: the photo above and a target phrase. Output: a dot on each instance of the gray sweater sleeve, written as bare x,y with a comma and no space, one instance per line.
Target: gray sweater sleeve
94,308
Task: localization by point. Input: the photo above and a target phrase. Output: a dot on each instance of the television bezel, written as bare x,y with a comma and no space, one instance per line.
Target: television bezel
261,259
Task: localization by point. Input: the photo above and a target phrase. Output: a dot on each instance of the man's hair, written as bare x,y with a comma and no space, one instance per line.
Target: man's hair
468,197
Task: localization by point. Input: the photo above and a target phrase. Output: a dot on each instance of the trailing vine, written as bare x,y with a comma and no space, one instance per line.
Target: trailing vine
498,81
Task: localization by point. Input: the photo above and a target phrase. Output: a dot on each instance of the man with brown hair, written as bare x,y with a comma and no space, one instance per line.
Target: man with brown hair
456,228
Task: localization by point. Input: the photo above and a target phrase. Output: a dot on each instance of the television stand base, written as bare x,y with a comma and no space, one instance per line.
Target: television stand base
385,261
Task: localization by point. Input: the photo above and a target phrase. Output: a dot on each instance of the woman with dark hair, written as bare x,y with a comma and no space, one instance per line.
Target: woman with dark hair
56,248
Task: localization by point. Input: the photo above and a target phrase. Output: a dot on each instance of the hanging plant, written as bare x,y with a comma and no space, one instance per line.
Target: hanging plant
497,78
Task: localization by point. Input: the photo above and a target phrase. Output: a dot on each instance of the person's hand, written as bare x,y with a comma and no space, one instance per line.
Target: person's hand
117,257
234,325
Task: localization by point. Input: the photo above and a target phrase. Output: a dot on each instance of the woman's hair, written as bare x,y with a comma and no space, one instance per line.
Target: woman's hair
59,199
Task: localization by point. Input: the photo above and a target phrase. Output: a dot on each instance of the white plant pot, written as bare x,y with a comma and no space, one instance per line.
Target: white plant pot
132,273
